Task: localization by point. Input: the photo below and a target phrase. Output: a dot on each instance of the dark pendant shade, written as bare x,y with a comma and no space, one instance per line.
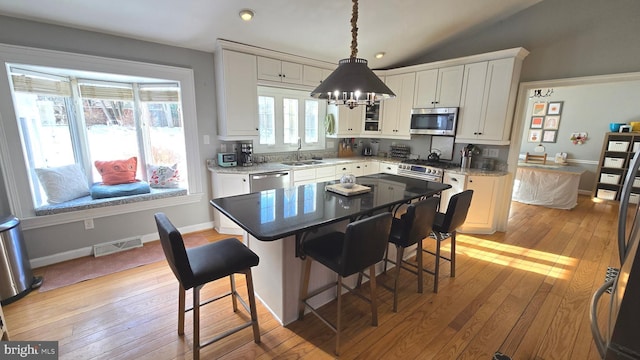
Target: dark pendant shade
352,78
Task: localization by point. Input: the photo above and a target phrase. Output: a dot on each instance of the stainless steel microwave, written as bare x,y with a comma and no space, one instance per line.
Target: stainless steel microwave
434,121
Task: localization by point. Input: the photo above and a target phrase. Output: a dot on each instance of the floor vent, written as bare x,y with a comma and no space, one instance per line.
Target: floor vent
116,246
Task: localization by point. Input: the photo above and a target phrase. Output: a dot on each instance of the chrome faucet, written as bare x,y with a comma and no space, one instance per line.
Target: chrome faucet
299,147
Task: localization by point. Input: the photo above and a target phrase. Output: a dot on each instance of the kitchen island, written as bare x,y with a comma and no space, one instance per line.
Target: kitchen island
277,220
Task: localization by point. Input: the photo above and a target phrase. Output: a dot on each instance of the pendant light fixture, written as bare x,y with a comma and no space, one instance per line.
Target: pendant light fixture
353,83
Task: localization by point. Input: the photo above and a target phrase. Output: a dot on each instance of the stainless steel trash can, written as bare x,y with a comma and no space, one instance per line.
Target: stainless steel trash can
16,277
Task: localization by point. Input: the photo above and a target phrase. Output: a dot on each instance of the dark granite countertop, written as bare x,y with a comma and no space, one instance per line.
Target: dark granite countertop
275,214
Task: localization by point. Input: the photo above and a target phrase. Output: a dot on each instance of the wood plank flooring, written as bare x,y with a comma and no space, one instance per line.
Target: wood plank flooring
524,292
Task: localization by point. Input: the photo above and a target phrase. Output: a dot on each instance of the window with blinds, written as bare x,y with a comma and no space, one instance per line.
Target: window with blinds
67,117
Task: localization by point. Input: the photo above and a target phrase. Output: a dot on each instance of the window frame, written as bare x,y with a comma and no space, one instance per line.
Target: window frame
302,96
13,162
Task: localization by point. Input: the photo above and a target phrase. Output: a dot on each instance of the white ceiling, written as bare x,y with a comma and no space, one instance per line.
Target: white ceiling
321,30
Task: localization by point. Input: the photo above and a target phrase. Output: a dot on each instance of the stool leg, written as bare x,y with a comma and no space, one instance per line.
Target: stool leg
252,306
399,255
437,267
181,309
339,319
234,299
196,322
374,298
420,266
386,259
453,254
304,287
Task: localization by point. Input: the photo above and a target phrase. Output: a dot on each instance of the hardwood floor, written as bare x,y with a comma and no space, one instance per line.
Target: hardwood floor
525,293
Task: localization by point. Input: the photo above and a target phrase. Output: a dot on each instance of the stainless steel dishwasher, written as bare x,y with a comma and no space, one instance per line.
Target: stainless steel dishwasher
269,180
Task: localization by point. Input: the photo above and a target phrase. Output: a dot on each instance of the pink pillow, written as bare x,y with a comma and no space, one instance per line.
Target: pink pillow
117,171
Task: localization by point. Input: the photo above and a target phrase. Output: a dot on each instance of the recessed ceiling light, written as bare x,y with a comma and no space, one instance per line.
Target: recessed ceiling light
380,55
247,14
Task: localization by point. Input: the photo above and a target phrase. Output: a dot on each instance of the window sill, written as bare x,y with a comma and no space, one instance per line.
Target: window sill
87,208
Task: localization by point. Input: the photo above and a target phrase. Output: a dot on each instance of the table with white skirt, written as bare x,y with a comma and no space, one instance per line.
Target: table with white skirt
553,185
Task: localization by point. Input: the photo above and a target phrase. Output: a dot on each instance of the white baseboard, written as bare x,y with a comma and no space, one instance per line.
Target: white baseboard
88,250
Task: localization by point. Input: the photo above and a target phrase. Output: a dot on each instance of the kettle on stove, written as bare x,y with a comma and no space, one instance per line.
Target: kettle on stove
434,155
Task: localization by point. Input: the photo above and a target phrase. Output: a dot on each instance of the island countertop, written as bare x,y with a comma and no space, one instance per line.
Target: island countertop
275,214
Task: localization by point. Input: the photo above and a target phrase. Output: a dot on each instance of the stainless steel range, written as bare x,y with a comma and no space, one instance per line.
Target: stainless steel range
423,169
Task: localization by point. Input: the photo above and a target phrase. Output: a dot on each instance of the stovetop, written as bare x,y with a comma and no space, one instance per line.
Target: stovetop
428,163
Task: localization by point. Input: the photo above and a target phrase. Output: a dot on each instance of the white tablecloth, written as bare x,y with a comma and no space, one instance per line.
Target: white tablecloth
550,186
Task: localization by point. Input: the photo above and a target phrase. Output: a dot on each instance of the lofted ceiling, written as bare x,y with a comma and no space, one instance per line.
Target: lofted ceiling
316,29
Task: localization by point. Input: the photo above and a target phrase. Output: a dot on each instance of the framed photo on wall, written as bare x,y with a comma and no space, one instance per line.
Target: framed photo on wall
539,109
536,122
551,122
534,136
549,136
554,108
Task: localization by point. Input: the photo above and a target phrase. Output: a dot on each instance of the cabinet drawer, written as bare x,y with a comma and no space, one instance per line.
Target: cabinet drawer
609,178
636,182
606,194
634,198
618,146
327,171
636,146
613,162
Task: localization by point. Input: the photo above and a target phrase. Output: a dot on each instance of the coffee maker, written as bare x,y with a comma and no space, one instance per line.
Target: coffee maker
245,157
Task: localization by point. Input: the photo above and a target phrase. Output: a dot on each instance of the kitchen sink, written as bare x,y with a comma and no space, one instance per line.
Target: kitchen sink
302,162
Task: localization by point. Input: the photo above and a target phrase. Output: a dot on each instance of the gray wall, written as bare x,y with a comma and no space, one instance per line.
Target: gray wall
566,38
56,239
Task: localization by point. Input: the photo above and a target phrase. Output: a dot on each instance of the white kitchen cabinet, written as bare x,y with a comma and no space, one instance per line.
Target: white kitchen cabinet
487,101
438,87
279,71
348,122
236,78
355,168
325,173
481,218
313,75
388,168
228,185
370,167
396,112
304,176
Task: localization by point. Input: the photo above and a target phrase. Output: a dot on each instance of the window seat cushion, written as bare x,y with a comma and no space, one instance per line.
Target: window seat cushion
102,191
86,202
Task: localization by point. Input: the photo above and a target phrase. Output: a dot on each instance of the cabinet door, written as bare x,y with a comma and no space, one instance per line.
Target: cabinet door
348,122
498,105
483,202
371,167
291,72
458,184
228,185
269,69
389,168
471,100
449,86
238,80
425,92
396,112
438,87
312,75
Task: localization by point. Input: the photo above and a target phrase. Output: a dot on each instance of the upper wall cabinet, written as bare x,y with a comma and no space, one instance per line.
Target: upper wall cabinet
237,94
279,71
313,76
396,112
487,102
348,122
438,87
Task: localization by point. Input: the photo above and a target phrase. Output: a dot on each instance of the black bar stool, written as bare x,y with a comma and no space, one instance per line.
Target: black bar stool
198,266
361,246
411,228
445,227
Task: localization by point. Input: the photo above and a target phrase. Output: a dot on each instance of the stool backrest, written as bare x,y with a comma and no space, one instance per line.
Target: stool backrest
418,219
365,242
174,251
457,211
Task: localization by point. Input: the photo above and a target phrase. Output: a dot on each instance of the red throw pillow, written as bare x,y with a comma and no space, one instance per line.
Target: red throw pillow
117,171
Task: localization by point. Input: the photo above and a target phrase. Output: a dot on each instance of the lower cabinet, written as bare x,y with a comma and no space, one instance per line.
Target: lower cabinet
228,185
481,218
